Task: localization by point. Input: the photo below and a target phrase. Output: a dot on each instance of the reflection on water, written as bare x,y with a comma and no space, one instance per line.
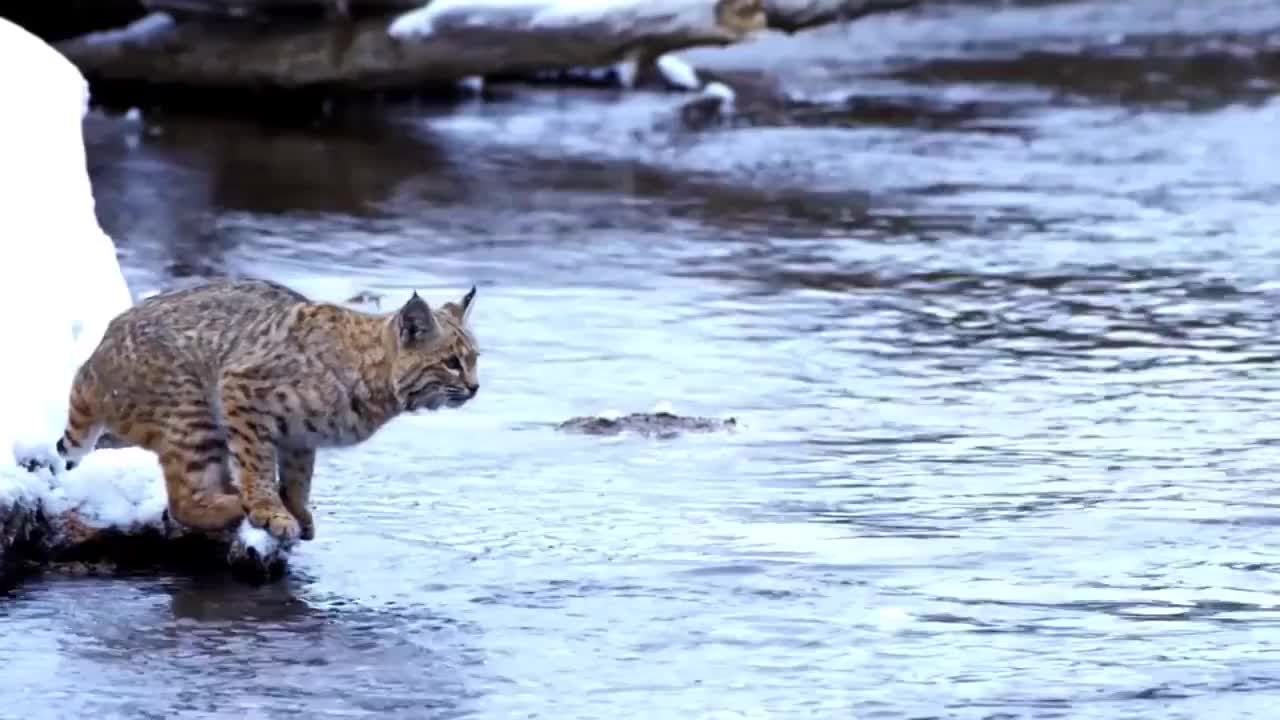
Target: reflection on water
205,648
993,298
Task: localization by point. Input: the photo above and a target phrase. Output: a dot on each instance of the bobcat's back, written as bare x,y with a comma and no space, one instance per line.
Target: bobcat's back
200,330
319,374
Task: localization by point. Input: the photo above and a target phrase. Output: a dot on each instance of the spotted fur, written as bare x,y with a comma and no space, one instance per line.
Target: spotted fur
235,381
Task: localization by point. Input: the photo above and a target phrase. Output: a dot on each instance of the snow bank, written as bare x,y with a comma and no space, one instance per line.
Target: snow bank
62,284
60,267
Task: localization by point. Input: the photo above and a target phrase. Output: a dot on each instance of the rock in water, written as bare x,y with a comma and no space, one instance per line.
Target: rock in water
655,424
15,527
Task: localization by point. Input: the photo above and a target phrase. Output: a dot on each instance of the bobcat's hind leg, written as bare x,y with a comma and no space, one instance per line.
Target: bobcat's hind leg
84,425
194,470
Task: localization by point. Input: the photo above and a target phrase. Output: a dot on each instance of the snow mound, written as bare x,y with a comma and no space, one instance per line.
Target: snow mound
60,267
62,285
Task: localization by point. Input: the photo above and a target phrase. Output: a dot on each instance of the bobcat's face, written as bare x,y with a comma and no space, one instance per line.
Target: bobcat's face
435,359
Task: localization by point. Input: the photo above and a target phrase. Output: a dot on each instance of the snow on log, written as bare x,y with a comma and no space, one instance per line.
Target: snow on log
62,285
441,44
244,45
273,9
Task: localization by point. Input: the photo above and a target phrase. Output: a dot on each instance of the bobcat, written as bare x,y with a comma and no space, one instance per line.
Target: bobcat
240,379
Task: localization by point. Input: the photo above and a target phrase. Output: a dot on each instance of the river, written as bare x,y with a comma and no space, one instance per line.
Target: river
994,299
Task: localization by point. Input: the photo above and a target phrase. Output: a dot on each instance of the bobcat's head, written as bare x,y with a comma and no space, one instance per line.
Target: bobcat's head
435,361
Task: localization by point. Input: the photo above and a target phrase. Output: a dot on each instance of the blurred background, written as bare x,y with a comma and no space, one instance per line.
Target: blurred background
990,286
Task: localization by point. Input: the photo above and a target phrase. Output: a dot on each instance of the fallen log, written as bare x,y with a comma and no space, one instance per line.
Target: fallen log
416,49
786,15
439,45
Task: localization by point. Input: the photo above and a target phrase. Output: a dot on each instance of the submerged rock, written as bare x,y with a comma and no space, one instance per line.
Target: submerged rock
654,424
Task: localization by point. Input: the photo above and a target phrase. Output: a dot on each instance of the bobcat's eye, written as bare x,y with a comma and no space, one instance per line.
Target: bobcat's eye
453,363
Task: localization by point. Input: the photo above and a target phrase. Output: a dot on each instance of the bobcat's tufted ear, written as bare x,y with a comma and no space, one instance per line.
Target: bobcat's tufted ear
462,309
417,323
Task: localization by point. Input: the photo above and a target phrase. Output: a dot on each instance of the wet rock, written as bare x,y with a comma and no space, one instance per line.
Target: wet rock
15,528
708,109
65,544
388,53
249,565
654,424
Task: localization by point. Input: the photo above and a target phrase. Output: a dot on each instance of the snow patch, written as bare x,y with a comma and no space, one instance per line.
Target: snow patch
490,13
720,90
257,539
626,71
118,488
443,16
447,17
141,29
677,72
723,93
19,487
413,24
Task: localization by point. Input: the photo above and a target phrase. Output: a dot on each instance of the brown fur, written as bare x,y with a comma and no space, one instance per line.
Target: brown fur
244,379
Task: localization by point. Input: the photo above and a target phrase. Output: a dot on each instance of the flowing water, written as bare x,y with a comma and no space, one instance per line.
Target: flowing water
994,298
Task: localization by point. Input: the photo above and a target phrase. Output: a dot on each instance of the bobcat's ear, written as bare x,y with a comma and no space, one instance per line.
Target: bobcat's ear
417,323
461,309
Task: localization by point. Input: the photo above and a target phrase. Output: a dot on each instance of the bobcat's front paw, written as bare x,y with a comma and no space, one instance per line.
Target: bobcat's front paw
276,521
307,523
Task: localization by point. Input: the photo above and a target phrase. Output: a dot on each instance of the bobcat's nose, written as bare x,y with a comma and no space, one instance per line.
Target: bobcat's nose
472,390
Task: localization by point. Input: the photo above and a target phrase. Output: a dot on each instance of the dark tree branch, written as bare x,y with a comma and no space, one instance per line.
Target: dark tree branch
792,16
